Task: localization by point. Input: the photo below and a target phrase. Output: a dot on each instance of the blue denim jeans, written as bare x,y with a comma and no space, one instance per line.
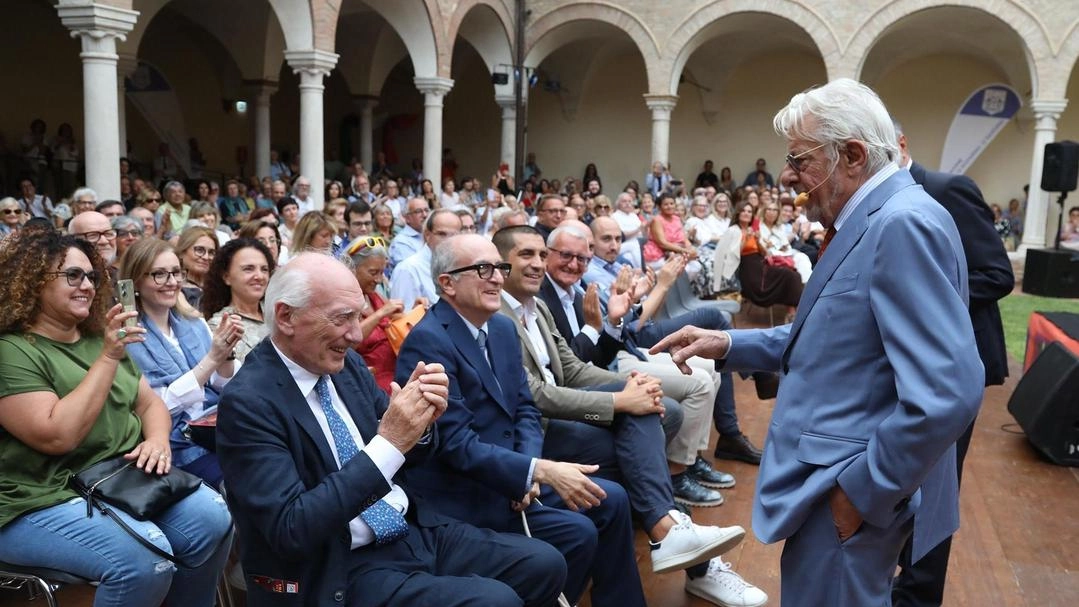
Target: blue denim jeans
96,548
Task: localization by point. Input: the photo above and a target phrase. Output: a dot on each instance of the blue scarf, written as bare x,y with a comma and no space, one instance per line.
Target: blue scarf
161,362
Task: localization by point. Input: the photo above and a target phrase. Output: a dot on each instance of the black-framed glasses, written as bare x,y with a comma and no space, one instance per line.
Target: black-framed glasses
75,276
158,199
12,211
126,233
161,277
794,161
469,229
96,236
566,256
485,270
201,251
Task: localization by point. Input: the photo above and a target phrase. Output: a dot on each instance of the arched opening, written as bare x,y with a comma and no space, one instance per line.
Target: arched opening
924,69
745,67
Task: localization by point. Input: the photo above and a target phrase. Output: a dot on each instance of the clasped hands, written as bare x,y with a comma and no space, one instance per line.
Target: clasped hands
416,406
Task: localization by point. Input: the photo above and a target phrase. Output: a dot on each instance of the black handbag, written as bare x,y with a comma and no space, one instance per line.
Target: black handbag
118,482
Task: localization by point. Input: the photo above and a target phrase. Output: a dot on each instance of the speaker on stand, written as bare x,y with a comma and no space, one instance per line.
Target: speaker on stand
1055,272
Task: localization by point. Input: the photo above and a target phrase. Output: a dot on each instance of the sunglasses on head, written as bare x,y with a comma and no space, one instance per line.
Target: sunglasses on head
365,242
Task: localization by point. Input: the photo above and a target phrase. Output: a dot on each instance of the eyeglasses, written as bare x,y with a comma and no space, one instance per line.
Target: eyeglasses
365,242
161,277
469,229
127,233
12,211
201,251
794,161
603,207
360,224
75,276
558,211
566,256
96,236
485,270
158,199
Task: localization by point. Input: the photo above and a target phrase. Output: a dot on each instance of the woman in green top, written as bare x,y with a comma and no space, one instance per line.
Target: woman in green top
69,398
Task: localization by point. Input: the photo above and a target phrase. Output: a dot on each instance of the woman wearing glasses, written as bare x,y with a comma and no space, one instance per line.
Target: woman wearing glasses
69,398
234,287
128,232
196,249
266,233
11,217
184,363
369,256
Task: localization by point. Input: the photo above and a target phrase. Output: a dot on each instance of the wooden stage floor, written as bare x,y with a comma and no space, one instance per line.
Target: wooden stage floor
1018,545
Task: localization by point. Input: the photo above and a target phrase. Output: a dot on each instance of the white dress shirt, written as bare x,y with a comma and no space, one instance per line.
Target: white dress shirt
385,456
526,313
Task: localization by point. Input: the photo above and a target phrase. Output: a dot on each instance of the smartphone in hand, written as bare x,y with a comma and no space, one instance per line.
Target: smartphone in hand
125,289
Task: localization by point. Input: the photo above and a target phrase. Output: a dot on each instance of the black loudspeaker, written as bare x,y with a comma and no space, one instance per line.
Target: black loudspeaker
1046,405
1051,273
1060,168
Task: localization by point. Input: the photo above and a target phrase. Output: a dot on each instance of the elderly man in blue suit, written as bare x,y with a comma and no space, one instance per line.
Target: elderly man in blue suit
489,465
310,448
880,371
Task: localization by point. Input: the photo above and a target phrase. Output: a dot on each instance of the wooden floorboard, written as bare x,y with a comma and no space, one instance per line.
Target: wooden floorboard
1018,545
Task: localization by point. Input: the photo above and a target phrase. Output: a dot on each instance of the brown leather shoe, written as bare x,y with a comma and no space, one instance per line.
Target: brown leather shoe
738,447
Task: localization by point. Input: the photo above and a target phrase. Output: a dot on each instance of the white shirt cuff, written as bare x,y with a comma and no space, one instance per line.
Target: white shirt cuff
591,333
385,456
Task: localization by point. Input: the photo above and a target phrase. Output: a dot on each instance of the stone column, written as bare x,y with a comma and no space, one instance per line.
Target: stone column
125,68
98,27
433,89
661,106
508,153
1037,213
259,91
366,106
312,65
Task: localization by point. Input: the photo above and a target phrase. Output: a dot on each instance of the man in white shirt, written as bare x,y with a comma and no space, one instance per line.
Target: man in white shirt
412,277
301,191
310,448
410,239
37,205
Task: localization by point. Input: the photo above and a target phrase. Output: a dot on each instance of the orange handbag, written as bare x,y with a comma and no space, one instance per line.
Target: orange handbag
398,329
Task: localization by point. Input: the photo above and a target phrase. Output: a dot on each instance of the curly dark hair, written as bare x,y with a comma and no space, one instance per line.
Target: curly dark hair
215,293
26,257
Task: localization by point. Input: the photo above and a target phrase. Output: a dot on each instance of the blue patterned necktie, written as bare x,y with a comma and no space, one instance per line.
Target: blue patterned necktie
384,520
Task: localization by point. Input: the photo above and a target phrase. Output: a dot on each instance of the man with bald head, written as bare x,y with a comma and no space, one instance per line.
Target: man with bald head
93,227
311,448
491,465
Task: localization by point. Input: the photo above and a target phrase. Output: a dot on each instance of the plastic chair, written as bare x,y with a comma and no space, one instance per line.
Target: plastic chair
681,300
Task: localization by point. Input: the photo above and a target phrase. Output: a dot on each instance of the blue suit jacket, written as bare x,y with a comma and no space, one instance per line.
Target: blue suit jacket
880,374
291,502
490,431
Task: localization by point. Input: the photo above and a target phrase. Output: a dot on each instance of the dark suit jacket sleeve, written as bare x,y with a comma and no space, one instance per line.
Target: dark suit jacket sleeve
256,444
990,271
600,353
460,445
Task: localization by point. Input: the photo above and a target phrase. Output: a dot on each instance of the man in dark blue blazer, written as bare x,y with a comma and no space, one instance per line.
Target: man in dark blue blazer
489,464
310,445
989,274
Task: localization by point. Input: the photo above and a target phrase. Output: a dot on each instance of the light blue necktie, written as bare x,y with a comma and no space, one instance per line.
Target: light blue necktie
384,520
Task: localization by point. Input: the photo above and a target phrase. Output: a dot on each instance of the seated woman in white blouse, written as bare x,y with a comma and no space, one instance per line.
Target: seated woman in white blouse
776,243
185,364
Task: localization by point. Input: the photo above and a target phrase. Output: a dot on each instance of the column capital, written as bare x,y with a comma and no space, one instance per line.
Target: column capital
311,61
433,86
96,21
1048,106
660,102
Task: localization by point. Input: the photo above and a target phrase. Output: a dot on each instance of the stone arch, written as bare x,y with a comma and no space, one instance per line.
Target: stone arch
487,30
413,23
554,29
695,29
1026,25
296,22
1066,60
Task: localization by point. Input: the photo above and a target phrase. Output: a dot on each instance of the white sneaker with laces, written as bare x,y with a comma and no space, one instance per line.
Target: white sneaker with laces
688,544
722,586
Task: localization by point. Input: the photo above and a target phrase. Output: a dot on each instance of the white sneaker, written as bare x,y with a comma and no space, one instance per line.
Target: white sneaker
688,544
725,588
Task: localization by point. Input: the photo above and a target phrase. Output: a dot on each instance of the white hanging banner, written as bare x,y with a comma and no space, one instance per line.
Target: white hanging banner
975,125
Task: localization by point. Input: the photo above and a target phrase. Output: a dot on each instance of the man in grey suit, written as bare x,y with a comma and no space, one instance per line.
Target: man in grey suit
880,371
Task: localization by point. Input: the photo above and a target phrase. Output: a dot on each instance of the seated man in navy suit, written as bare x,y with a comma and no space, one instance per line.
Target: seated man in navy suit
489,465
310,446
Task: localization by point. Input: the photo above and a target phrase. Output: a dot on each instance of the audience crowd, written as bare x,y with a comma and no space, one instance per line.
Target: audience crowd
590,273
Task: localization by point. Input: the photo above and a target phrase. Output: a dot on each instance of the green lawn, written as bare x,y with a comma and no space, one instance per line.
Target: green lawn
1015,311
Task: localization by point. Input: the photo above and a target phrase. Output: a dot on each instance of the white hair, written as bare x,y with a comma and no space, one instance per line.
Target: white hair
290,285
837,112
572,231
